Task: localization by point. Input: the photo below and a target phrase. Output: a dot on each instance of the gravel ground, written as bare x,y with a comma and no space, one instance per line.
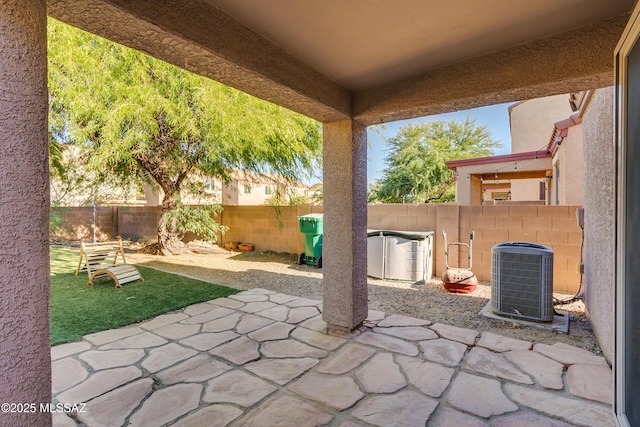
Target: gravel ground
281,273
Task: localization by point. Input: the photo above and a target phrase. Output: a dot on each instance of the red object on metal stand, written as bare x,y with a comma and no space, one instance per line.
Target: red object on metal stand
455,279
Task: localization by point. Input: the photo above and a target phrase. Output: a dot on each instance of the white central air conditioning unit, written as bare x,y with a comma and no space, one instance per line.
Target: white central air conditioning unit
522,281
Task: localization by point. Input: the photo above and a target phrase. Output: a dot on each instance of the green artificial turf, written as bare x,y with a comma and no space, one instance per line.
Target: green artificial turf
78,309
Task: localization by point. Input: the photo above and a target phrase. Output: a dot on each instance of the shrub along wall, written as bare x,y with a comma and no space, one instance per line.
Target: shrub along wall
271,230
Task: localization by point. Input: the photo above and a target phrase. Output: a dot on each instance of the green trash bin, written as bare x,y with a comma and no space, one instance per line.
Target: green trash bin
312,228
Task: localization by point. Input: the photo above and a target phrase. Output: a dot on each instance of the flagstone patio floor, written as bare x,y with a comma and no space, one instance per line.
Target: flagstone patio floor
260,358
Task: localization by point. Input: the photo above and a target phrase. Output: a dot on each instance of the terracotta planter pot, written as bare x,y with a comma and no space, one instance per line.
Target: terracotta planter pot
228,246
234,245
245,246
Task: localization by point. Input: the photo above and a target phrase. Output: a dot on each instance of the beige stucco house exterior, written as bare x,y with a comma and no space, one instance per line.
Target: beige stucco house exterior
349,65
544,166
242,189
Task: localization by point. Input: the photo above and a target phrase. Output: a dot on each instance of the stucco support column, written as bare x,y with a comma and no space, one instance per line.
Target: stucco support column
344,251
476,191
25,358
468,190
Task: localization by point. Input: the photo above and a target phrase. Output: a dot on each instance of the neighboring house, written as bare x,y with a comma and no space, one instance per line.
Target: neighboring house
545,164
243,189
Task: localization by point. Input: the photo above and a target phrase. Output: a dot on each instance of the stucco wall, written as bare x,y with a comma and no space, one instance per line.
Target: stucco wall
571,179
525,190
25,355
532,121
599,207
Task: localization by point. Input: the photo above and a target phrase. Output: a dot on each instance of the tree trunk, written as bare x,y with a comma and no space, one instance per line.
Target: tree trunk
169,241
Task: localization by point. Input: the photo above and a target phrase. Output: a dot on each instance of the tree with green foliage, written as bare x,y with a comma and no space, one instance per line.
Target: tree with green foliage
142,119
416,170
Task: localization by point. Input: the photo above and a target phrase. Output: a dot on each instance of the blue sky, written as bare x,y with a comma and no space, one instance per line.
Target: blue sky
494,117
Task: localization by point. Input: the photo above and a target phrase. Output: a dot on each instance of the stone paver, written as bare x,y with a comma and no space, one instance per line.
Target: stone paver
272,332
166,405
281,298
291,348
107,359
443,351
112,408
177,331
578,412
197,369
315,324
569,355
60,419
64,350
258,291
452,418
222,324
278,313
66,373
528,419
213,364
104,337
227,302
165,356
591,382
381,375
337,392
318,339
244,297
430,378
404,409
454,333
143,340
499,343
210,416
399,320
303,302
254,307
299,314
212,314
344,360
487,362
250,323
197,309
412,333
281,371
388,343
479,396
165,319
239,351
286,411
207,341
546,372
99,383
238,388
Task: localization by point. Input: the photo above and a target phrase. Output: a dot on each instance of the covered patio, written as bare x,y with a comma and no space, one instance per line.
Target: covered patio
261,358
346,64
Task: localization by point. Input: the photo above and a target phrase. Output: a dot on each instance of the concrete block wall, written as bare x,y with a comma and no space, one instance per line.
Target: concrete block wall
265,228
77,223
553,226
136,222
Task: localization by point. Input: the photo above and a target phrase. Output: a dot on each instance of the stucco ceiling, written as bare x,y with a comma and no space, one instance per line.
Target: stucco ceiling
372,60
361,44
